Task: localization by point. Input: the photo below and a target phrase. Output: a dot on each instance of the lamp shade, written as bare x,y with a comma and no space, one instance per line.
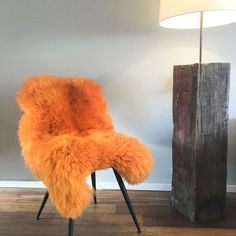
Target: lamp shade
185,14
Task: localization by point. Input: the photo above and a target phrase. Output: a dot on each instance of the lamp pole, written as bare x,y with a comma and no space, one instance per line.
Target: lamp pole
201,33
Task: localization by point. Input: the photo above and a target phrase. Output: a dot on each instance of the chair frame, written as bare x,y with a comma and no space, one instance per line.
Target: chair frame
93,178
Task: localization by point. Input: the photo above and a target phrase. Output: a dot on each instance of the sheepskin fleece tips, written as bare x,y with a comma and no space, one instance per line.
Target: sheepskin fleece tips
66,134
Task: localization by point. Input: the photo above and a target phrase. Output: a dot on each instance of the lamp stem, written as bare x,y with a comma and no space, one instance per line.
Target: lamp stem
201,33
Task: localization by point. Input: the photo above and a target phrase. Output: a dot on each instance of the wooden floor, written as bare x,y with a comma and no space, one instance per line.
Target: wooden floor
109,217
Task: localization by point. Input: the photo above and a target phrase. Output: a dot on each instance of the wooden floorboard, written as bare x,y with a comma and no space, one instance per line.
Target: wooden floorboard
110,217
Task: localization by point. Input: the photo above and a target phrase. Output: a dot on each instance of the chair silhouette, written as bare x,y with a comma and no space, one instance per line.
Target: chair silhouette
66,135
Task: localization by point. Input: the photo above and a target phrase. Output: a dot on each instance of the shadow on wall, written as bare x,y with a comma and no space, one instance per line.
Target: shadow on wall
232,151
10,115
12,164
88,16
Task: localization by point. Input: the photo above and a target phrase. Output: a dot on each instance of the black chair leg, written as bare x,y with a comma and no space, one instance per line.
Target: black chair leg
127,199
42,204
70,227
93,178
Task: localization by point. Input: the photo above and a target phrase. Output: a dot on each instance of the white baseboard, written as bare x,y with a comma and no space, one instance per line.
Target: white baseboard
231,188
21,184
101,185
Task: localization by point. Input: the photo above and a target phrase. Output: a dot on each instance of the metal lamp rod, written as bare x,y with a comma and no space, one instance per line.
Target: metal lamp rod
201,33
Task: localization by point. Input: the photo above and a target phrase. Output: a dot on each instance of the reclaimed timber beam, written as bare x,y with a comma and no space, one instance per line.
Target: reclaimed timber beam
200,117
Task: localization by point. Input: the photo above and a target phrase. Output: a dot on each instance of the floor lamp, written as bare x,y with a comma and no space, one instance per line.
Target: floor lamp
200,114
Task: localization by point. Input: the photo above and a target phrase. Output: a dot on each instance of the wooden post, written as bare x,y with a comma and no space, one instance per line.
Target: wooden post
200,116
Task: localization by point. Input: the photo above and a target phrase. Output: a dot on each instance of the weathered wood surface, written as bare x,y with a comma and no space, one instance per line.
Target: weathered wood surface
200,116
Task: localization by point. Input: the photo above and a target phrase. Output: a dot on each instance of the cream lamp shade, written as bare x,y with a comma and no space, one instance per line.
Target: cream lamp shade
186,14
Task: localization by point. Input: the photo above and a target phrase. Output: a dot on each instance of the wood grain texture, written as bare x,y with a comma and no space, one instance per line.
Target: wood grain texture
110,217
200,116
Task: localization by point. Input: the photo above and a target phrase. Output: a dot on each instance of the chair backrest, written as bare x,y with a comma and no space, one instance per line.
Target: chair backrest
55,105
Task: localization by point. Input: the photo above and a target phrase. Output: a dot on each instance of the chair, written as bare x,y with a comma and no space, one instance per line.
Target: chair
66,135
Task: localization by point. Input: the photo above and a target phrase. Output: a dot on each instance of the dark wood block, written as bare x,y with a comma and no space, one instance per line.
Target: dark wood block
200,116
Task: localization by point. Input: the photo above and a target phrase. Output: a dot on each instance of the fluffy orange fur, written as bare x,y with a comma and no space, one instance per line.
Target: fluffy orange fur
66,134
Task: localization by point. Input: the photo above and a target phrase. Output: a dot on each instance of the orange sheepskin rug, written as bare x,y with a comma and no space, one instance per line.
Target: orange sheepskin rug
66,134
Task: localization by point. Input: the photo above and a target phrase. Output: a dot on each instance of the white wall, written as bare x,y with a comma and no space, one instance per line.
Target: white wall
117,42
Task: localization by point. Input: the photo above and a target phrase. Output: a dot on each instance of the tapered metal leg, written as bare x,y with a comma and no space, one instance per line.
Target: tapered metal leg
93,178
127,199
70,227
42,204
